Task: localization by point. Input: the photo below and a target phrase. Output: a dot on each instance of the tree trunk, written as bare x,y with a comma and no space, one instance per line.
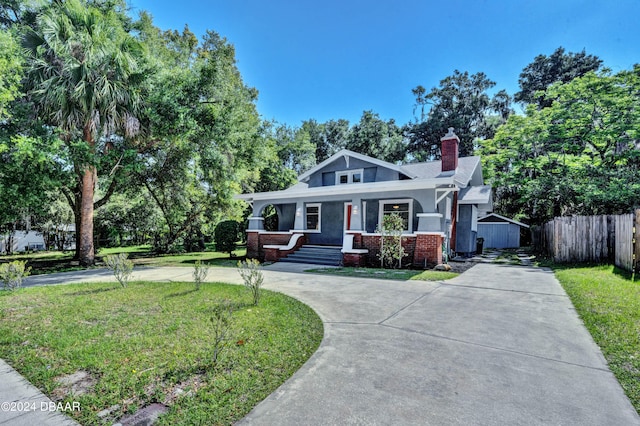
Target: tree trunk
77,215
85,236
84,245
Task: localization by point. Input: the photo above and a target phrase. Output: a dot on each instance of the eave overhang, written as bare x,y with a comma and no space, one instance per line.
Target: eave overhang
350,189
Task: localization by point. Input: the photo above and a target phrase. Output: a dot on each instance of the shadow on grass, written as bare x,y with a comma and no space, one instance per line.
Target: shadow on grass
94,291
218,261
182,293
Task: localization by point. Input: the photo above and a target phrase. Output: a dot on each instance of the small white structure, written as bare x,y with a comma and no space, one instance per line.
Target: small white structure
22,241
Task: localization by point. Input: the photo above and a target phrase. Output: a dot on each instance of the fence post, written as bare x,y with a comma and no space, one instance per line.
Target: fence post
635,261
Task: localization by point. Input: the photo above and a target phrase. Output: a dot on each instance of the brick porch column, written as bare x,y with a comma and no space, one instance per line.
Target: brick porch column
428,251
253,245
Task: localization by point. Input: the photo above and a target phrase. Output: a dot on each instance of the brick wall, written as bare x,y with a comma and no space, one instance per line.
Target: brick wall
257,240
428,250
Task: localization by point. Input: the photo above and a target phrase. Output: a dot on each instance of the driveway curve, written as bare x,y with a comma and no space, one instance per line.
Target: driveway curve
497,345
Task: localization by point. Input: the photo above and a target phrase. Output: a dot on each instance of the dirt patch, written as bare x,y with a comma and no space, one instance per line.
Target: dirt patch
78,383
460,267
186,388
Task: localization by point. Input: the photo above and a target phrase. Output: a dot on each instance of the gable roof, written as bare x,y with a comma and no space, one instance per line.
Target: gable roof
488,219
433,169
347,153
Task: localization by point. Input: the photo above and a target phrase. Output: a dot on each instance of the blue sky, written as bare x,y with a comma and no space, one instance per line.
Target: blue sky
334,59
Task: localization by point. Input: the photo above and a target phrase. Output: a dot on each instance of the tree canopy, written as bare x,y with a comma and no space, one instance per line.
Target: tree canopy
580,155
545,70
462,102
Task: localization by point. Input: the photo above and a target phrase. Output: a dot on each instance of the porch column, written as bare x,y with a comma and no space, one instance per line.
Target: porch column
429,222
298,224
256,222
356,214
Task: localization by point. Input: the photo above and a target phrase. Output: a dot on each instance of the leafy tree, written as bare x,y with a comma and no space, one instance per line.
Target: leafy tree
545,70
203,127
294,147
84,76
55,222
377,138
581,155
10,70
462,102
328,138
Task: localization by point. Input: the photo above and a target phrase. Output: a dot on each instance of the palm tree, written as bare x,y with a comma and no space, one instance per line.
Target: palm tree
84,78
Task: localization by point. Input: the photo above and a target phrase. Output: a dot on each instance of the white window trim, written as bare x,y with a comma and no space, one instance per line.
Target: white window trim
319,206
349,174
382,203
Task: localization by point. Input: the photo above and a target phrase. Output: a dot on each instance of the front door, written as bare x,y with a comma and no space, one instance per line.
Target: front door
348,207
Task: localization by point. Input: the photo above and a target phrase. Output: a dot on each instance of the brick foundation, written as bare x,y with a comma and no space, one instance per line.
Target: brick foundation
257,240
422,249
428,250
354,259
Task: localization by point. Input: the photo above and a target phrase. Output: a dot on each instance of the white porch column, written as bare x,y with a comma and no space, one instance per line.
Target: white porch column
256,222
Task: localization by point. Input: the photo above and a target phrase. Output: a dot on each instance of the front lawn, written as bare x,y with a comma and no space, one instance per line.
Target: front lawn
154,343
56,261
387,274
609,304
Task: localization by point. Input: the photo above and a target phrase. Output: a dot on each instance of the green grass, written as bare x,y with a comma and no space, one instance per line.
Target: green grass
609,304
56,261
143,343
142,255
387,274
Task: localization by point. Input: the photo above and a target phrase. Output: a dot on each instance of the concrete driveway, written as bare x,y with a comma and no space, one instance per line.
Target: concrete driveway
499,345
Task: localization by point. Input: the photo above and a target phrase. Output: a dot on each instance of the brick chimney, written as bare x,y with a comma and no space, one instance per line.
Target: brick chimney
449,151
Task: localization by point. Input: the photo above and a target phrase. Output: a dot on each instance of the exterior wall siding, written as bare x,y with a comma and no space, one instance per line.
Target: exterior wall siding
331,225
372,173
503,235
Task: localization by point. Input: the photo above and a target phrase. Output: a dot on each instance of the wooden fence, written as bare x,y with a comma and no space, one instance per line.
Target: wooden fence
612,238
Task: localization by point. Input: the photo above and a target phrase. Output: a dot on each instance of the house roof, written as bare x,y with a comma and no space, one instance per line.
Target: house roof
346,153
494,217
433,169
421,176
475,195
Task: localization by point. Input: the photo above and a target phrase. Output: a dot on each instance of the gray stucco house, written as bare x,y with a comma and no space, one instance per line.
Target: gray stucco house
341,201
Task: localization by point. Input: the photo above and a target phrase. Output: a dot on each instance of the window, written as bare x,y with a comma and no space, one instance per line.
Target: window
349,176
404,208
313,217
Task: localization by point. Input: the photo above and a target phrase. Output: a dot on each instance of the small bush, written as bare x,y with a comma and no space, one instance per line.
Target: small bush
221,324
200,272
225,235
391,250
13,273
121,267
252,276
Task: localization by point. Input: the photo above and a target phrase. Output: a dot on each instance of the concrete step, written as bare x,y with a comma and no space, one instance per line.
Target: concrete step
317,255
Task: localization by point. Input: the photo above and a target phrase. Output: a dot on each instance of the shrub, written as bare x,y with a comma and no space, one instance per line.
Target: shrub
121,267
252,277
13,273
225,235
200,272
391,250
221,324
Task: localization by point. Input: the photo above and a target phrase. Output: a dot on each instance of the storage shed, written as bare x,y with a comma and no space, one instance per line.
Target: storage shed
499,231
